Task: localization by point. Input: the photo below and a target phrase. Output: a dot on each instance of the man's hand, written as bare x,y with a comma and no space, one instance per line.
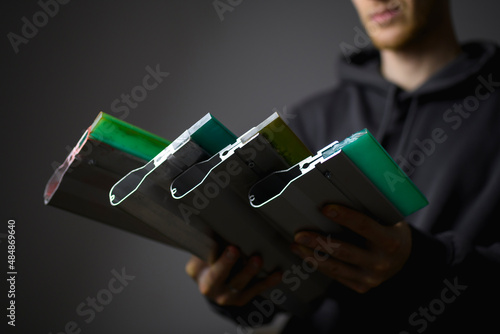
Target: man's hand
214,280
359,268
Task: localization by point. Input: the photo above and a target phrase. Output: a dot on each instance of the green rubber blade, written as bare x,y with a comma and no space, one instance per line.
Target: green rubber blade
126,137
212,135
374,161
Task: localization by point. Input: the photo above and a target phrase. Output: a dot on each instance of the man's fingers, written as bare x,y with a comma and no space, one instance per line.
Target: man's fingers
241,280
194,266
212,279
240,298
256,289
342,272
359,268
357,222
339,250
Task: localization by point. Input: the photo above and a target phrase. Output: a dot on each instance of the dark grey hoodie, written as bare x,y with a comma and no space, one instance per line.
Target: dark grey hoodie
446,136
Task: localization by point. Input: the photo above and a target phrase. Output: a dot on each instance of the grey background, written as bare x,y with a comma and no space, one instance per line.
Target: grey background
263,55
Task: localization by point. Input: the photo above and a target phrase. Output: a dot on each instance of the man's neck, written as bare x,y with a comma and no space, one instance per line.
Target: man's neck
412,66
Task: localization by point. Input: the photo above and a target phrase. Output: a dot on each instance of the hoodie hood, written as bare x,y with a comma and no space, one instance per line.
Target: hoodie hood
363,70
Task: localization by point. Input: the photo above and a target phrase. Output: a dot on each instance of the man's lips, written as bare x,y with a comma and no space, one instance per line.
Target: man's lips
385,15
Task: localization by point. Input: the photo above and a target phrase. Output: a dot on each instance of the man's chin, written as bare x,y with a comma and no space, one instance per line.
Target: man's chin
393,42
397,36
390,45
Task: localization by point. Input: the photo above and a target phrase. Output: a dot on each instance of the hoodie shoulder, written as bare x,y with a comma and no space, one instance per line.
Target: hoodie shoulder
476,58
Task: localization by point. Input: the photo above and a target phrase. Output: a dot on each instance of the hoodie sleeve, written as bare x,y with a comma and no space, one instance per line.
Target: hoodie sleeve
430,294
450,283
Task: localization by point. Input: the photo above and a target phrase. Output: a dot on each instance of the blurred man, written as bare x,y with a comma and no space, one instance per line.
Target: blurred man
434,106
